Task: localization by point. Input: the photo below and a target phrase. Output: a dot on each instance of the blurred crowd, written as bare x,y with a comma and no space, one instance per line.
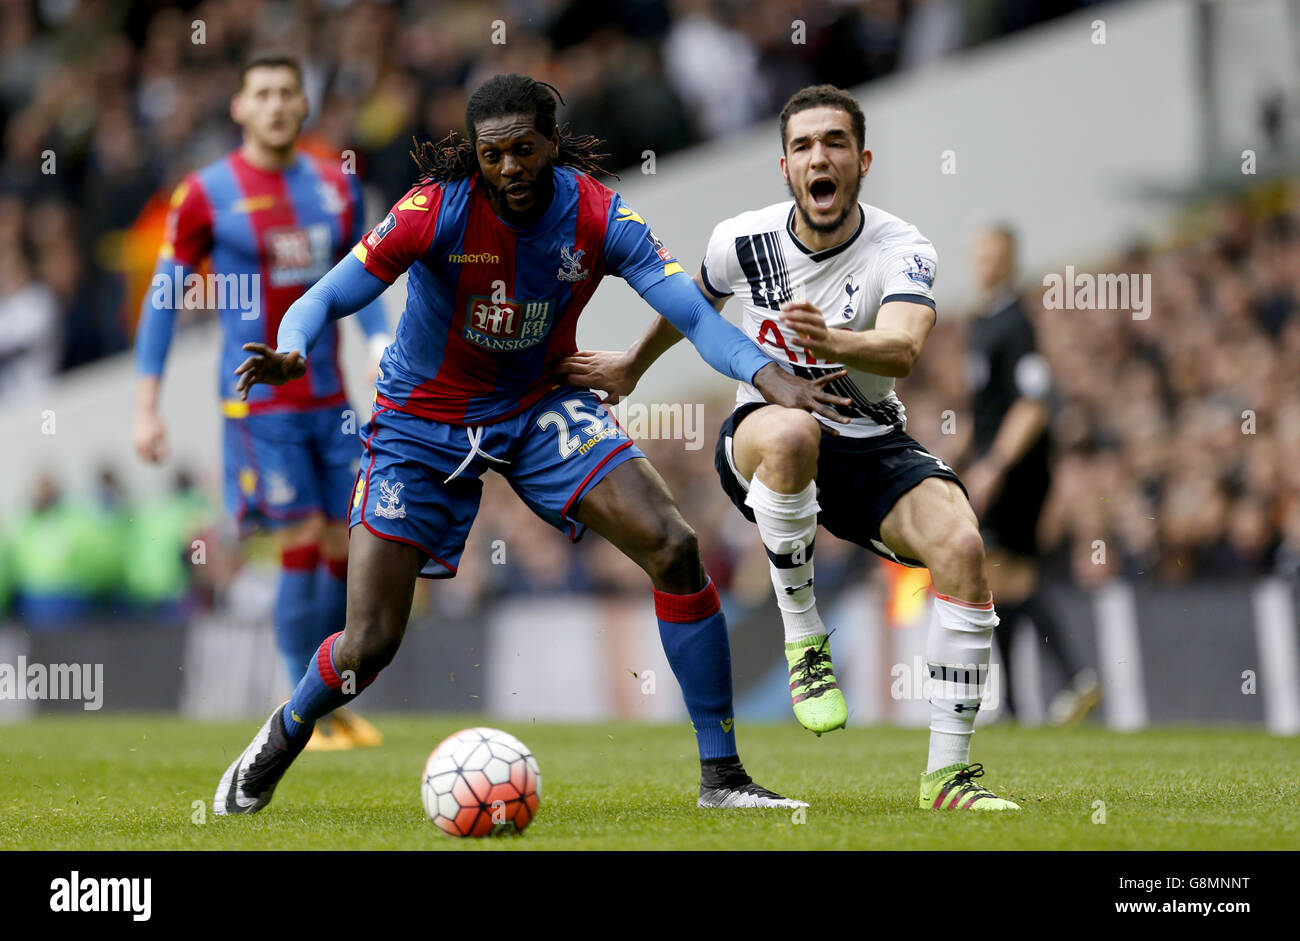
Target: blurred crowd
1176,437
106,556
104,106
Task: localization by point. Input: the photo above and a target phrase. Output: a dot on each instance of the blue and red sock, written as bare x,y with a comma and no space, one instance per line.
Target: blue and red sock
321,690
298,630
694,635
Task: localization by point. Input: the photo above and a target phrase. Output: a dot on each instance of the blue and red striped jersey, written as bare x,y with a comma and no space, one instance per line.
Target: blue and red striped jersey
491,307
269,235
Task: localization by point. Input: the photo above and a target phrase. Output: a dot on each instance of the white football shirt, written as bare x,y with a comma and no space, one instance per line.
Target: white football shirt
757,257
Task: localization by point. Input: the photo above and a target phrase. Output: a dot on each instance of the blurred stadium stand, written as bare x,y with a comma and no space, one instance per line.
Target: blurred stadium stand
1128,160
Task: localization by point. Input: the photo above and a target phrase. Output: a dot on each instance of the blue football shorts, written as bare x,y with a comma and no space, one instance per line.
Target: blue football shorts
281,467
419,481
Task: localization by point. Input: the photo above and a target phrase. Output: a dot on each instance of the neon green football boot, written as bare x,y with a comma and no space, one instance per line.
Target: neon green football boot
818,703
954,788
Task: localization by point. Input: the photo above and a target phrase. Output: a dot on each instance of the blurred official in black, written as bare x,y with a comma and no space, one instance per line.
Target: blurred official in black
1008,474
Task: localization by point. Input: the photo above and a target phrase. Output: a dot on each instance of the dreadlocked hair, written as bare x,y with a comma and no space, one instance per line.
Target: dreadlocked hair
454,157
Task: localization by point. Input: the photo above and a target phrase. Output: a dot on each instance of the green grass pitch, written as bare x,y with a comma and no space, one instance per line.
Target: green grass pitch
110,783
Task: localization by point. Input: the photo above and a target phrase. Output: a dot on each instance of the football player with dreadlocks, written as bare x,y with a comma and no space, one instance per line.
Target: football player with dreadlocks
506,236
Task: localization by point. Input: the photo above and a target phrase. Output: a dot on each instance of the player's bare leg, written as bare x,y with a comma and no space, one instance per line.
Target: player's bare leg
634,510
381,584
776,450
934,523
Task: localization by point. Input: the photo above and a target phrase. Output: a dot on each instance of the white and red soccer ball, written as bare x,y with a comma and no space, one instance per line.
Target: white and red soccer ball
481,782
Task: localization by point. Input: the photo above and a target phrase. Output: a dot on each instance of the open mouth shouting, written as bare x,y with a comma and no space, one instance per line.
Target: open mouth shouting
822,193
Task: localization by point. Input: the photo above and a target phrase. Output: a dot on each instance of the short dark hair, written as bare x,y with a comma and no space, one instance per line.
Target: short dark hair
818,96
274,60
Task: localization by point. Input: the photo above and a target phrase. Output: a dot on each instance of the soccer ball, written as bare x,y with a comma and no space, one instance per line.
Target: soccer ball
481,782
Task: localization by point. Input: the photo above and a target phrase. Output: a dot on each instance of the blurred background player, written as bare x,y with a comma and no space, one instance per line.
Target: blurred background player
271,220
1009,477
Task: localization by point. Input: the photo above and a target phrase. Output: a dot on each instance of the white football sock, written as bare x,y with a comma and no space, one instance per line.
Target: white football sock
957,657
788,524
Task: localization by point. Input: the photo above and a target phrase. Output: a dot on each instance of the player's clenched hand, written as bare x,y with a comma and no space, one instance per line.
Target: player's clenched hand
268,366
784,388
809,326
599,369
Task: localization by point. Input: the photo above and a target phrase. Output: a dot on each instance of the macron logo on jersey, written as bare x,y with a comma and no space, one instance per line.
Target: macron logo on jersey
417,203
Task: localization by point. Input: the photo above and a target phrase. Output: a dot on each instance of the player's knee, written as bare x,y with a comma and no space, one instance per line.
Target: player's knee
964,549
676,553
794,432
789,447
366,647
379,655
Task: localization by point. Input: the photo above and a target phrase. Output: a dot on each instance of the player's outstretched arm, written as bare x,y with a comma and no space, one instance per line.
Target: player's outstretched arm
617,374
733,354
684,311
344,290
890,348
